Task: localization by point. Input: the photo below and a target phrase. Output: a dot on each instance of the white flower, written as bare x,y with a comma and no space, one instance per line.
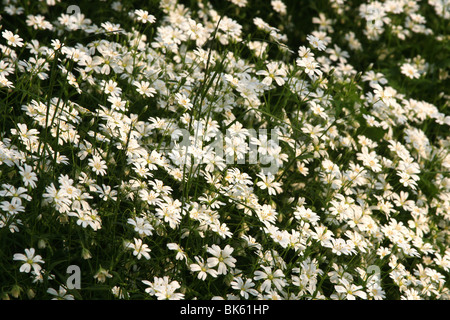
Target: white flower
144,88
98,165
310,65
140,249
111,87
244,287
350,291
316,42
183,101
276,278
279,6
141,226
410,71
28,176
143,16
31,261
274,72
5,82
375,291
61,294
202,268
222,258
12,207
180,252
13,39
268,182
306,214
369,159
163,289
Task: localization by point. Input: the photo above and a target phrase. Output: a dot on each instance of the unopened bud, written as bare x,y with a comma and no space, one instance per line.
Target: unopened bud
31,294
42,244
85,254
15,291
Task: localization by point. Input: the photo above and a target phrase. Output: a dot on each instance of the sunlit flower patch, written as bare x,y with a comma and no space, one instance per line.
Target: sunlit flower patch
224,150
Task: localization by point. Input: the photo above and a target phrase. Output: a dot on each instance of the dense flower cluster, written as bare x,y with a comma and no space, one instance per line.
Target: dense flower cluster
172,155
